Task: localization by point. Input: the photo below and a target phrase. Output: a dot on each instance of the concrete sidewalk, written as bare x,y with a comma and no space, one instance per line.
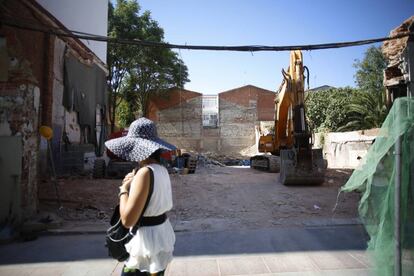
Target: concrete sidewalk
333,250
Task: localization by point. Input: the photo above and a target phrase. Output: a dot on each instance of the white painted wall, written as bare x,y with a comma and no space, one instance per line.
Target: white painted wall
345,149
89,16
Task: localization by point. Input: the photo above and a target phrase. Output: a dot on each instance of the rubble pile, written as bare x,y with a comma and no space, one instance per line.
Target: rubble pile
250,151
215,159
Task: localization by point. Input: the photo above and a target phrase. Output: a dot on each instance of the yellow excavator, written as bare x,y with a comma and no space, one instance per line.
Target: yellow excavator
290,146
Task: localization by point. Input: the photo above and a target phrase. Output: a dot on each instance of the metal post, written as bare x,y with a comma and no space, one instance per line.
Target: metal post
54,178
397,208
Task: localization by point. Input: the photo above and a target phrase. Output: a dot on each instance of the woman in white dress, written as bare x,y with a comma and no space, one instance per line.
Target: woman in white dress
151,248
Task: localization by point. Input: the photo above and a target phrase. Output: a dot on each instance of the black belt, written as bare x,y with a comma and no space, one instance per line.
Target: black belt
152,221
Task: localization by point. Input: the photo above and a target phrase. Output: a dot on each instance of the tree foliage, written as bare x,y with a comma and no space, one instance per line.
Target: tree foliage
326,110
134,71
365,111
370,71
347,109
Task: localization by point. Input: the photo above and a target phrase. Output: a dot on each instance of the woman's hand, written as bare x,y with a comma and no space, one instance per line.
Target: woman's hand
126,182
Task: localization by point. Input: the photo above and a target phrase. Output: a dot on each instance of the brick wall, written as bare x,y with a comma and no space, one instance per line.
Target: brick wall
177,115
240,111
252,96
237,126
25,101
30,93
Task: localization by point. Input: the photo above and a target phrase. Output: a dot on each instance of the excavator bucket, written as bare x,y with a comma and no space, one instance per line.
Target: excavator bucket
309,169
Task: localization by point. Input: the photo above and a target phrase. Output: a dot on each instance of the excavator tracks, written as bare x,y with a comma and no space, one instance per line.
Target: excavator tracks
269,163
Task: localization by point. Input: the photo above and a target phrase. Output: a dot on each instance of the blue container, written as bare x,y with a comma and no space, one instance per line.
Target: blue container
179,162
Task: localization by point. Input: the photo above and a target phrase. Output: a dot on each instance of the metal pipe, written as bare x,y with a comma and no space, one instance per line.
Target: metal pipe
397,208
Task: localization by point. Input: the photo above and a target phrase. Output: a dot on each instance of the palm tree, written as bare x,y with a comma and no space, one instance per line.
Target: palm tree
365,111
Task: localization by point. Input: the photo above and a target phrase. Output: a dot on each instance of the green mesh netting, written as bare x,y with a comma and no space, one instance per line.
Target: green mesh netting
375,179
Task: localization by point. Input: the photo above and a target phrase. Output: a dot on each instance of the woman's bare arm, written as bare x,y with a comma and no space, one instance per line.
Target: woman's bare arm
132,204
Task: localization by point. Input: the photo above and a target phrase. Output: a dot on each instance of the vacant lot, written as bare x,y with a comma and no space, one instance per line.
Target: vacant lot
216,198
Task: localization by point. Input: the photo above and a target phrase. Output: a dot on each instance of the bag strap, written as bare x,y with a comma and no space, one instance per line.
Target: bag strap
151,189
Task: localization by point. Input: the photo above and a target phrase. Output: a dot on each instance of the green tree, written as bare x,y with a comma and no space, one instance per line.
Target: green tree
370,71
316,105
365,111
367,108
124,116
158,71
136,71
123,22
344,109
325,110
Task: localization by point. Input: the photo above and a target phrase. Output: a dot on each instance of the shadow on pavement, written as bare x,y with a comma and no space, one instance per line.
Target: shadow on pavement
58,248
264,241
274,240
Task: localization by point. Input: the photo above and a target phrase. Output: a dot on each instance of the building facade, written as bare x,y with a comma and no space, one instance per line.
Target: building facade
223,123
89,16
40,86
178,116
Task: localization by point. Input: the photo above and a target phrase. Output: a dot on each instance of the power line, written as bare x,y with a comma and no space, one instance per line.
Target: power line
247,48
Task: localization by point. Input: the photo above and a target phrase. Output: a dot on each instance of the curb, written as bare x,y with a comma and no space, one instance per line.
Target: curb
86,231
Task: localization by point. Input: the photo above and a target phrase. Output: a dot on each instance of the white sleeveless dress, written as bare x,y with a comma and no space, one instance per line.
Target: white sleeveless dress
151,249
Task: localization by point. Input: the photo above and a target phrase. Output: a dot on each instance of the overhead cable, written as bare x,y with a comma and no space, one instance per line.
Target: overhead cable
144,43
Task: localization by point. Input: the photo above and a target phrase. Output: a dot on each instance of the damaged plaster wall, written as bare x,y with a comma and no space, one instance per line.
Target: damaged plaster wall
178,117
19,113
399,53
20,101
62,119
181,124
241,112
211,139
345,149
237,126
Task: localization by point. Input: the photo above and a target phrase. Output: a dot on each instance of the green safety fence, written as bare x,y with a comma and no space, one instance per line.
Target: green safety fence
375,179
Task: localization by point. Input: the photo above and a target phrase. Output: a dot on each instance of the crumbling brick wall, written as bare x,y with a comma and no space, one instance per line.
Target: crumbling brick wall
30,85
393,49
19,113
178,118
24,101
241,110
237,126
399,53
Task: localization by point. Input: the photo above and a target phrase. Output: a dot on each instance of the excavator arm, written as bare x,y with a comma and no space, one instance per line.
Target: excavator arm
291,142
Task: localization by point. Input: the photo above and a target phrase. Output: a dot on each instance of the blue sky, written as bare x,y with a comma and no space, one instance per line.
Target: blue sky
267,22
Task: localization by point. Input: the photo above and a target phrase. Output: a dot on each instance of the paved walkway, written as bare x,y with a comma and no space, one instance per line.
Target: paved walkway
331,250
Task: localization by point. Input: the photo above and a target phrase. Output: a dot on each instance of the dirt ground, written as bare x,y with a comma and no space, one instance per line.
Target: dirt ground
215,198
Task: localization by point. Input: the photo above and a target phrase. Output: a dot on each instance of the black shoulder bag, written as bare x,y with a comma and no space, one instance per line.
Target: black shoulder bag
117,235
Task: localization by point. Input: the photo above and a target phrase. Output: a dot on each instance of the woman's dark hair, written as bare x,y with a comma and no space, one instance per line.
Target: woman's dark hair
156,155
